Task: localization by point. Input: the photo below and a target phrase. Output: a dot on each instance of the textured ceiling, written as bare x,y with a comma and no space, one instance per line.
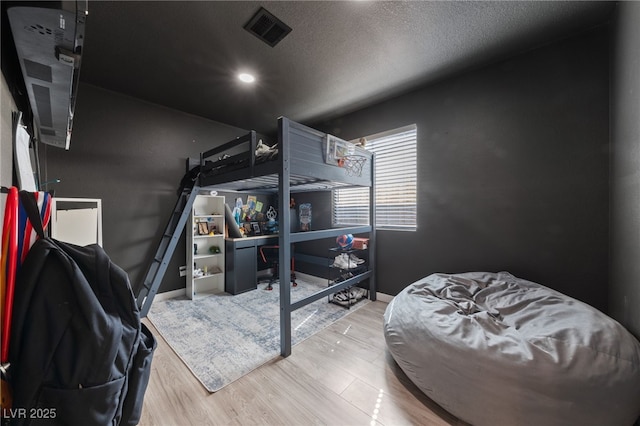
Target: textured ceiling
340,55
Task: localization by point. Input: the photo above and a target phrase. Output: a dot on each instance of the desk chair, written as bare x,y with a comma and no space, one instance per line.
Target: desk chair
269,255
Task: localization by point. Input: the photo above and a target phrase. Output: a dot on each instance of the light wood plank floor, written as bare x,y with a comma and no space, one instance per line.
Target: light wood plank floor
343,375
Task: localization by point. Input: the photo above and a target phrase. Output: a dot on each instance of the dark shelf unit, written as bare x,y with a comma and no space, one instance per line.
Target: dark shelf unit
338,274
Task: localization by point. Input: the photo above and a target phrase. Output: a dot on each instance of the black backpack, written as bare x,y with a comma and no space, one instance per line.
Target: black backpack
79,354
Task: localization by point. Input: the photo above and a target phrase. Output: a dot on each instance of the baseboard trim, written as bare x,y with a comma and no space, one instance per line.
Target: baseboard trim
170,294
384,297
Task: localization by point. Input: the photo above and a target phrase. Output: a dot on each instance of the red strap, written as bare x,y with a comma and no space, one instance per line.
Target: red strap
9,265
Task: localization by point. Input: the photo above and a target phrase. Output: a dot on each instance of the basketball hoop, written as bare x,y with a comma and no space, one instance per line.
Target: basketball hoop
353,164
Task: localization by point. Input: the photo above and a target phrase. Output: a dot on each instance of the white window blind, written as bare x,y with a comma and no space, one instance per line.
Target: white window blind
396,184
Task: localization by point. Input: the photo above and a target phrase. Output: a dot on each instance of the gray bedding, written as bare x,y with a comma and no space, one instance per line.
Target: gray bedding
493,349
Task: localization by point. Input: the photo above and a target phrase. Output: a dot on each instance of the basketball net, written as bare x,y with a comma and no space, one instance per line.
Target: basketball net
353,164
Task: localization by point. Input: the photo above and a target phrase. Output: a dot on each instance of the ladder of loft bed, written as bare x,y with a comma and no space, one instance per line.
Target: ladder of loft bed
166,248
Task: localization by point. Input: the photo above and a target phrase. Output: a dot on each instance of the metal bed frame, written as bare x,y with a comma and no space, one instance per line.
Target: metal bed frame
300,166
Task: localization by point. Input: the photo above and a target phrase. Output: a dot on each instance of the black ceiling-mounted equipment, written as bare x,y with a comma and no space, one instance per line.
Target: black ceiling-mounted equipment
49,39
267,27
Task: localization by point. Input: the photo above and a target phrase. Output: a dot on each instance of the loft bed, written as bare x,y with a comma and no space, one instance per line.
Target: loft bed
300,165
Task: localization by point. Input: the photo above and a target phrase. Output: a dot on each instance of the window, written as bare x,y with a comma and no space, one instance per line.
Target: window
396,184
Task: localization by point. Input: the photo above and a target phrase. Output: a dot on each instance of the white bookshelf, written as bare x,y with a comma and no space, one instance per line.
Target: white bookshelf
205,247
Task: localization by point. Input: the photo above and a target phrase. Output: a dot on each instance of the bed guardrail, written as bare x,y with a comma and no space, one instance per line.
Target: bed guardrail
250,154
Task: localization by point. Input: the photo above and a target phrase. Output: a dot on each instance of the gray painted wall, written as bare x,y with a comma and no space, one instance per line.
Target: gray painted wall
513,171
132,155
624,295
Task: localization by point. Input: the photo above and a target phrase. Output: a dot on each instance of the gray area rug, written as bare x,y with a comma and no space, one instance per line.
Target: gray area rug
223,337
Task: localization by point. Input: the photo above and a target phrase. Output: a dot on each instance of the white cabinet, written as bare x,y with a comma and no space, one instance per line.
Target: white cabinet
205,246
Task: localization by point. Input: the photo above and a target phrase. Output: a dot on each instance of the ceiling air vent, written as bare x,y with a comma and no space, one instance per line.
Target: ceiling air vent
267,27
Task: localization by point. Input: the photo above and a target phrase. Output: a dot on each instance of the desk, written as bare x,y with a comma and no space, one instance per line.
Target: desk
241,262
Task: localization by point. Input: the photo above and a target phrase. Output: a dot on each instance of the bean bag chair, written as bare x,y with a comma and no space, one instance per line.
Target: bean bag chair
493,349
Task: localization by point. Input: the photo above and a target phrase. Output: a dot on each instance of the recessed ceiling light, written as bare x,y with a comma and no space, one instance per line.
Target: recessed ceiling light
246,78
